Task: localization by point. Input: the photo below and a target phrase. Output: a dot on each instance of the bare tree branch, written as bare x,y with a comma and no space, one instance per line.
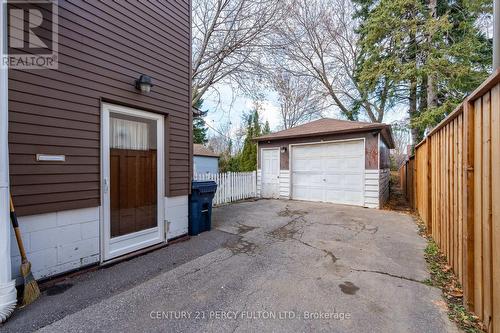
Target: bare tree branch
401,136
298,99
319,38
228,38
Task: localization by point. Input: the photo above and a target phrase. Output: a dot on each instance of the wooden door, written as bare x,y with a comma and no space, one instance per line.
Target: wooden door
133,190
270,173
133,180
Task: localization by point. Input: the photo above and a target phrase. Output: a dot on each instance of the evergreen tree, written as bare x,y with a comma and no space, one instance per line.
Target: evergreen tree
459,57
199,128
421,49
247,158
228,162
267,129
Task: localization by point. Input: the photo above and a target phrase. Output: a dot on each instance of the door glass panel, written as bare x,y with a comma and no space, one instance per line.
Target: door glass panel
133,173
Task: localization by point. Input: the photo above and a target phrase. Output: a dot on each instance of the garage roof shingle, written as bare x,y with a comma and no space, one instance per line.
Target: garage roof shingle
329,126
200,150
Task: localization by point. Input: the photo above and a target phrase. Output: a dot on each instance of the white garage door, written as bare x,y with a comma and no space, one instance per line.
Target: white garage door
329,172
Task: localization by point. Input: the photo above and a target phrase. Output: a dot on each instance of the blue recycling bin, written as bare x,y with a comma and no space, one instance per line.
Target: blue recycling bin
200,206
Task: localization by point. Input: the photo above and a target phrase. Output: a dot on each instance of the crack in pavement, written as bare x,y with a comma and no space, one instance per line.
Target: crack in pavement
247,298
284,232
243,228
358,228
196,270
297,224
242,246
327,252
291,213
388,274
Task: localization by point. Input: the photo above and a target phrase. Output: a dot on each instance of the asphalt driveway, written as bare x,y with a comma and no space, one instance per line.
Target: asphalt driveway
294,266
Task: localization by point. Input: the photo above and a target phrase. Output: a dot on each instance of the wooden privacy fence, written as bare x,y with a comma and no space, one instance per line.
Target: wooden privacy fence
231,186
407,179
453,182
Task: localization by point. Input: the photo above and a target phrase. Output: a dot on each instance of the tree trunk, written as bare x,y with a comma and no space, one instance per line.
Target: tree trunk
413,93
431,79
413,111
422,97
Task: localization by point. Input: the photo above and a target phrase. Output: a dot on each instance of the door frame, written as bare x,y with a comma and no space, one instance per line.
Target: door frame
105,220
262,168
290,164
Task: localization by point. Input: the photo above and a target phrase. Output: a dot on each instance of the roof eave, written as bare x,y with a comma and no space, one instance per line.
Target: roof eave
387,133
351,130
203,155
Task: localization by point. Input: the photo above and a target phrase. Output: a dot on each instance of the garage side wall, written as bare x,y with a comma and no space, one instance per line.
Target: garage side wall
372,188
385,172
373,176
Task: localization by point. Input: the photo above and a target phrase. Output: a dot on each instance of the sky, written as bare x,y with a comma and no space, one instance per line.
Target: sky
228,105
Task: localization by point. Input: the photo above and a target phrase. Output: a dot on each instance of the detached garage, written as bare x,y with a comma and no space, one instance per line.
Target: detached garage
327,160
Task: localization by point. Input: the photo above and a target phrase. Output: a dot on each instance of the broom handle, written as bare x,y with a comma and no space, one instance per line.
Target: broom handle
15,224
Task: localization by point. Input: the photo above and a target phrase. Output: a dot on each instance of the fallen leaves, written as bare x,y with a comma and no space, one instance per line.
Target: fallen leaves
441,304
443,277
456,293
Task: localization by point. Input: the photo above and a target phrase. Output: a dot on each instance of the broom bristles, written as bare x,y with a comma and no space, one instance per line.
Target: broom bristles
31,291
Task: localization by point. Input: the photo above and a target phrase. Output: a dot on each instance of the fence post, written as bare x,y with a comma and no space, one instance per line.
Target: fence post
254,182
226,187
230,176
231,186
231,191
415,182
407,164
495,198
217,193
468,206
428,144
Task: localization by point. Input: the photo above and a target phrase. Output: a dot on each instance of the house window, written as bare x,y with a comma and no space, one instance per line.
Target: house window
130,134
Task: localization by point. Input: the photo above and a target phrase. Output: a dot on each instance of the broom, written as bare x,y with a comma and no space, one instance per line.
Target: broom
31,291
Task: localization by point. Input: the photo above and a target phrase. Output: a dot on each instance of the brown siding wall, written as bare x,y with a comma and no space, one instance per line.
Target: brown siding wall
103,48
371,147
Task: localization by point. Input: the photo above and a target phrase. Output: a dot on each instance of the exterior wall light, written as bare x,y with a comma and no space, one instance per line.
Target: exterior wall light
144,84
283,149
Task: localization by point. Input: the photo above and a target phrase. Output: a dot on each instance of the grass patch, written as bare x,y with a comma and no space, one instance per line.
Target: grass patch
442,277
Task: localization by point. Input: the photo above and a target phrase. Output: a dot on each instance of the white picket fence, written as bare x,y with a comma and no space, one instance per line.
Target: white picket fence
232,186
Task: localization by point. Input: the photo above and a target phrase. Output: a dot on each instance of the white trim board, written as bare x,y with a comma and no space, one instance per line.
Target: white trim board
8,295
115,247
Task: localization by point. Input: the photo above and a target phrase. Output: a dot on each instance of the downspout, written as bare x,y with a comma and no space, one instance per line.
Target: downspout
8,296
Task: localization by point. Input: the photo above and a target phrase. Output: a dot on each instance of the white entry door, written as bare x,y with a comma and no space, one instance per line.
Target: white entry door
329,172
270,173
133,178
